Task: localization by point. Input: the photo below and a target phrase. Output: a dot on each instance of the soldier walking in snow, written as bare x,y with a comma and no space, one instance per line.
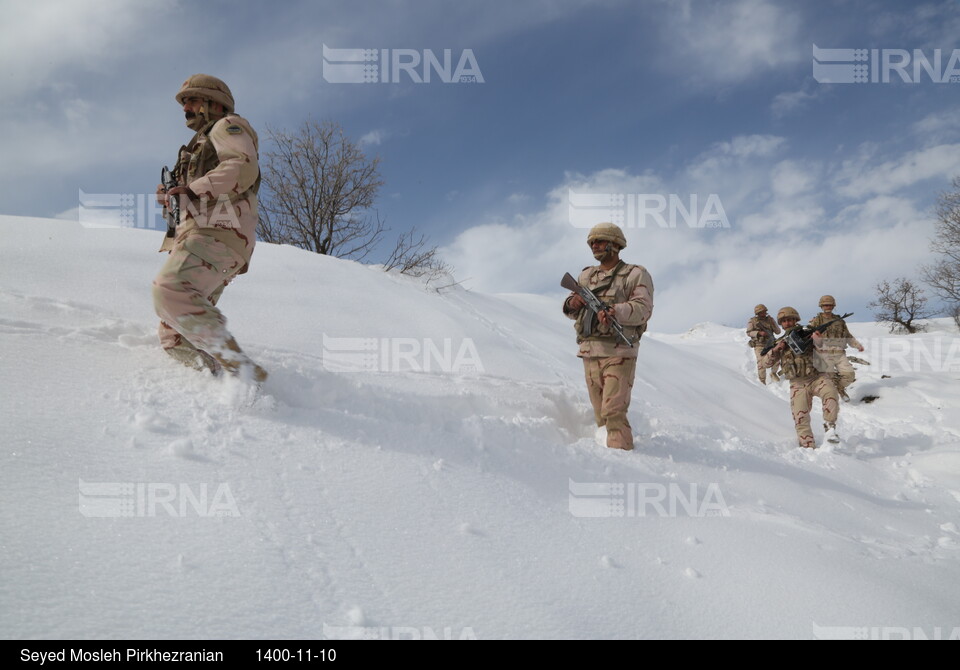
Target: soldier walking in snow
217,177
609,363
761,329
806,382
836,339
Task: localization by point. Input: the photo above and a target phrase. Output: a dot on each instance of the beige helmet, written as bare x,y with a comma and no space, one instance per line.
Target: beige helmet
207,87
609,232
787,312
759,309
827,300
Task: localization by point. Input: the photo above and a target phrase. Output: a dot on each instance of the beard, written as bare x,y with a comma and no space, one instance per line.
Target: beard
195,121
603,253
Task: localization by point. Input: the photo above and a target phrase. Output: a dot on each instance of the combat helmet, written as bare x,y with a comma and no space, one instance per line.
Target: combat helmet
827,300
759,309
207,87
787,312
608,232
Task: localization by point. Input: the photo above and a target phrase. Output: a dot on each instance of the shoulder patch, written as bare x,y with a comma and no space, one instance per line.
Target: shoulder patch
234,129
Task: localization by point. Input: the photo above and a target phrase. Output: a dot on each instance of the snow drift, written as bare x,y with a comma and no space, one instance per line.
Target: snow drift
421,463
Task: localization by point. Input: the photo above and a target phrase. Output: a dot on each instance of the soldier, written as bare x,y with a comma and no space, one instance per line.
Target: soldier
217,176
836,338
761,329
806,381
610,364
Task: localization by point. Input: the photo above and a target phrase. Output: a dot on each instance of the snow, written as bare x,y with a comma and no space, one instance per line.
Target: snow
423,463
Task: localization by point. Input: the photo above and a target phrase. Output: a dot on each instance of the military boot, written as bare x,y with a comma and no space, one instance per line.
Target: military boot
831,433
192,357
237,363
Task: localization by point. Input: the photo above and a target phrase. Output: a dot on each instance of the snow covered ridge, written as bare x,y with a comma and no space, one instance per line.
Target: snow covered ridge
422,465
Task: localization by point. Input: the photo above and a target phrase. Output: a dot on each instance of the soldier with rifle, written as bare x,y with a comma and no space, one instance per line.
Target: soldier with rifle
761,330
610,304
210,200
837,338
795,354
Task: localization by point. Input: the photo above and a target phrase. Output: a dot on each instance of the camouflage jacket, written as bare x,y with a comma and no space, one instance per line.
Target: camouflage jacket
756,325
220,165
629,290
837,337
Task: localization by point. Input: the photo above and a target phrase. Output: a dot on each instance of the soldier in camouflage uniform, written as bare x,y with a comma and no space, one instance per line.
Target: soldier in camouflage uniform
761,329
218,176
806,382
836,339
609,364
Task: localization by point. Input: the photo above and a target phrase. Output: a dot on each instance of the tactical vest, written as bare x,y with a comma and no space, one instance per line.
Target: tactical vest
836,333
588,325
796,366
756,323
199,157
196,159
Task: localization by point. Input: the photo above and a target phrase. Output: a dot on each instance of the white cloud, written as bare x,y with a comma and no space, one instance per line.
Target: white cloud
731,42
793,101
790,178
373,138
858,178
39,39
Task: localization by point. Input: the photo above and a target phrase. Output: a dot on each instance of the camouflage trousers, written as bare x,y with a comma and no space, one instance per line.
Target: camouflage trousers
185,295
610,382
802,393
839,366
761,370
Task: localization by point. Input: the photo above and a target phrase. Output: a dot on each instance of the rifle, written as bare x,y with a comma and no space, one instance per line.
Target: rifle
173,207
800,338
769,339
595,305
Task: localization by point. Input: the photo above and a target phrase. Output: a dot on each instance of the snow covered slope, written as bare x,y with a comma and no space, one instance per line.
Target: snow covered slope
422,464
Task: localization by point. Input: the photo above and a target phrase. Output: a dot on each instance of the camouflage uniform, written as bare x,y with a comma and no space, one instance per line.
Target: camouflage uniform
758,343
806,382
836,339
215,238
609,364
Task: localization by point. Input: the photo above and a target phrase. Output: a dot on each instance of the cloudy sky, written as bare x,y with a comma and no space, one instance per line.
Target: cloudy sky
738,172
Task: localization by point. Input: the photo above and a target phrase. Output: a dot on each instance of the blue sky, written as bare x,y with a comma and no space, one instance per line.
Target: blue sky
827,188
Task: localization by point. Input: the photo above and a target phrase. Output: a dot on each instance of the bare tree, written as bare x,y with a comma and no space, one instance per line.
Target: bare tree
319,190
411,257
900,305
943,275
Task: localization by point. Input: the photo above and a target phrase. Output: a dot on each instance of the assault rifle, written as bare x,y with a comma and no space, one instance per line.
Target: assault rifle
762,327
173,205
800,338
595,305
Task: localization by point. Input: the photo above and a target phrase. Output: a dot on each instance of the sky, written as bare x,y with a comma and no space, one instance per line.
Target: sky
739,174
